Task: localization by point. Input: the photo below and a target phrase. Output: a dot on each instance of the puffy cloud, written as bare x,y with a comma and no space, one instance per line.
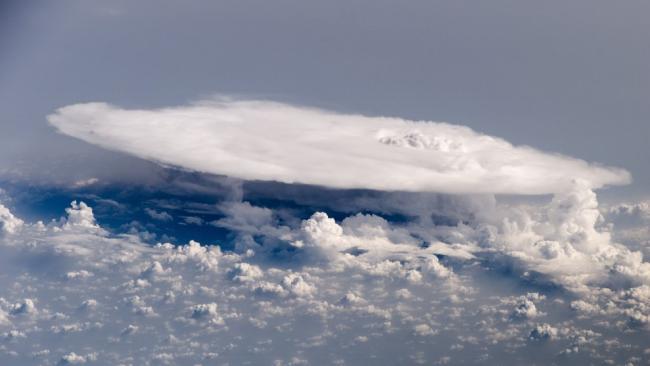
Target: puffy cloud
245,272
543,332
630,224
97,297
4,318
368,238
77,274
165,299
321,233
432,266
630,213
525,307
75,359
257,140
565,241
24,307
80,215
297,285
207,312
423,330
9,223
158,215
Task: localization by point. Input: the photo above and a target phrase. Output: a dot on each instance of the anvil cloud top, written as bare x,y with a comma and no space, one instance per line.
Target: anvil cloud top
259,140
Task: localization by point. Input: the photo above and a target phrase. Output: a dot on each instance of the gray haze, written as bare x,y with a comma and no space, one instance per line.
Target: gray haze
565,76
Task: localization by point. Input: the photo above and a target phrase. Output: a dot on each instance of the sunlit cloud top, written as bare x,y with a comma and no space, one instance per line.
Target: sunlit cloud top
259,140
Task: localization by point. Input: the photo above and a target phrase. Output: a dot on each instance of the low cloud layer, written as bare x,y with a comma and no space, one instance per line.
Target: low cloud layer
257,140
355,291
456,278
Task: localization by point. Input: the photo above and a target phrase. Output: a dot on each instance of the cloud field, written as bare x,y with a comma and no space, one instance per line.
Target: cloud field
354,291
423,265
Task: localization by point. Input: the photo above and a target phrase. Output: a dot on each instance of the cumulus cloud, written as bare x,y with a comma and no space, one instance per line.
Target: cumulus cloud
630,224
9,223
80,215
158,215
543,332
565,241
111,299
257,140
361,279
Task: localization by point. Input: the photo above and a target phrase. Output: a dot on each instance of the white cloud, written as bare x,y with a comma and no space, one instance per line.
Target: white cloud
85,182
9,223
74,293
423,330
630,224
164,300
193,220
525,307
80,215
158,215
75,359
245,272
206,312
295,284
258,140
24,307
543,332
565,241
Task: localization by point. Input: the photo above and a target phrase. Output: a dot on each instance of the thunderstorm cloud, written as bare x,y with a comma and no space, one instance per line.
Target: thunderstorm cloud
258,140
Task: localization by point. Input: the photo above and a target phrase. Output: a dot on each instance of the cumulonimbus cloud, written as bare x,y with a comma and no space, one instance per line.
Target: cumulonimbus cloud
260,140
